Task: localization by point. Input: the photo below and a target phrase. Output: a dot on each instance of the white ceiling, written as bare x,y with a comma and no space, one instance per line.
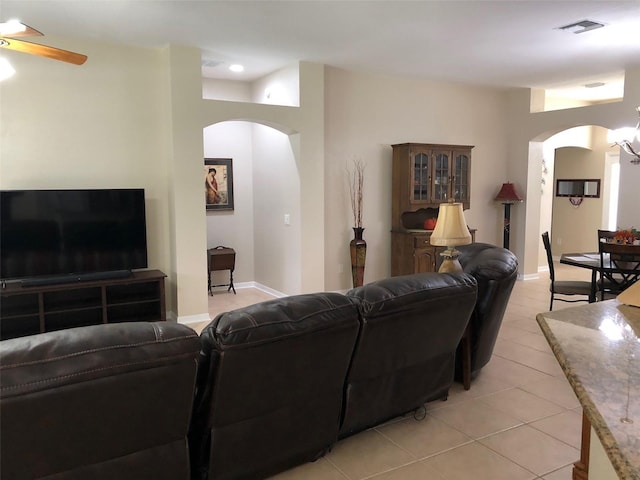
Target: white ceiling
504,43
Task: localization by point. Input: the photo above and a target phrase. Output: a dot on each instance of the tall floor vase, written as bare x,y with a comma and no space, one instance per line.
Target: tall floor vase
358,248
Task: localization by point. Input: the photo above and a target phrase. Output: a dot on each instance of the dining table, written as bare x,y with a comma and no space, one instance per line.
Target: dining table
588,260
592,261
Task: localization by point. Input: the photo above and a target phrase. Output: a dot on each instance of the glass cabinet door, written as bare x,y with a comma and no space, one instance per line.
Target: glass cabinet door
420,180
441,175
461,177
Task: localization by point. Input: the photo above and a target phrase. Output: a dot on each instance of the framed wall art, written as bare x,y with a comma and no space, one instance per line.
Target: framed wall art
578,188
218,183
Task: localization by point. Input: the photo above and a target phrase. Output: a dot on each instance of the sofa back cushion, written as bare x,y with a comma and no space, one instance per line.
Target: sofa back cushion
410,328
495,269
100,402
270,385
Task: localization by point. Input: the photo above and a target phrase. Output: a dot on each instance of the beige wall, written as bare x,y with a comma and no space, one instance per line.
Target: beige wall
276,186
134,117
185,176
574,137
232,140
527,132
574,228
299,159
277,192
233,228
100,125
365,115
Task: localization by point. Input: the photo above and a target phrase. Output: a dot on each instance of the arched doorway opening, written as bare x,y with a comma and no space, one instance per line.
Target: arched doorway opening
578,153
264,228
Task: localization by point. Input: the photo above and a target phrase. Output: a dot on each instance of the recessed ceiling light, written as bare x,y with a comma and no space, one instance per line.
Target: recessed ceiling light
595,85
236,68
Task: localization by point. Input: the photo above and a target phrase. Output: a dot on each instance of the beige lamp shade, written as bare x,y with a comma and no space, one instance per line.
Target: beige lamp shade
451,227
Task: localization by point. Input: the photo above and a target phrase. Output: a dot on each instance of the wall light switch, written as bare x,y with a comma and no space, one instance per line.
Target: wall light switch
287,219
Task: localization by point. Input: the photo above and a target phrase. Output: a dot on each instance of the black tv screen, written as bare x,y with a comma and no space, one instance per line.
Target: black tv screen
69,232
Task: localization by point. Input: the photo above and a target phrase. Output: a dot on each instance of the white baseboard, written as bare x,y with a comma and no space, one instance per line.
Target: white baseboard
204,317
530,276
262,288
187,319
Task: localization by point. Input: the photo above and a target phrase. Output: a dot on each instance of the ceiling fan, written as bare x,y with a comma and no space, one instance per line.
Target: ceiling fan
13,28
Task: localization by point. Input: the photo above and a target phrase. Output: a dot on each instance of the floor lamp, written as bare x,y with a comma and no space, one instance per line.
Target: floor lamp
507,196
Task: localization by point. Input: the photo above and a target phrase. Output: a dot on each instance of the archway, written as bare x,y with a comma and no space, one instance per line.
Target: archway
264,228
582,152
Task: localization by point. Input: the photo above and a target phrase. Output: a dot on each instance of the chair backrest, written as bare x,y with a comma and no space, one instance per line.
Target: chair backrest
547,247
624,261
606,236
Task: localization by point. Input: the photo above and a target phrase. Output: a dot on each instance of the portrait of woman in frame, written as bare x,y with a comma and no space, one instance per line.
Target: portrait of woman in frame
218,183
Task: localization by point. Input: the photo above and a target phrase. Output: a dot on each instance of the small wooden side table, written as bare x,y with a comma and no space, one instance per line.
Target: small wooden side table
221,258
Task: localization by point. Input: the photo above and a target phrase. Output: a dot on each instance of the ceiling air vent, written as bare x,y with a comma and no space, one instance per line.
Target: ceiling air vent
210,63
583,26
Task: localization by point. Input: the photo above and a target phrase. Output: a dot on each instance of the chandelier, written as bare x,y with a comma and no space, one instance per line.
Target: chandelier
626,136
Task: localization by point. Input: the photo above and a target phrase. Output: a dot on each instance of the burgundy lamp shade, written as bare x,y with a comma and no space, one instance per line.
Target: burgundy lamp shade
508,194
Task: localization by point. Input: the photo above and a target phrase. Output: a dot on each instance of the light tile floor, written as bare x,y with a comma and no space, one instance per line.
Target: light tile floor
520,420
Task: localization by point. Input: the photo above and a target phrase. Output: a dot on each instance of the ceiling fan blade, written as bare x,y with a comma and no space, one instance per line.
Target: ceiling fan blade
43,51
28,32
16,29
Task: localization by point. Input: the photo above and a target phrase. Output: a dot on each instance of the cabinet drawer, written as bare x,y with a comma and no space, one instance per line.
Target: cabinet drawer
18,305
133,292
12,327
421,241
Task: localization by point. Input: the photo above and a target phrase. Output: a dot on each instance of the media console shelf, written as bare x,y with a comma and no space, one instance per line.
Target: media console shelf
30,310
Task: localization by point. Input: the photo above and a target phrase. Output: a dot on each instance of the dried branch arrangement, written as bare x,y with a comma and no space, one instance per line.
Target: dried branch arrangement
356,184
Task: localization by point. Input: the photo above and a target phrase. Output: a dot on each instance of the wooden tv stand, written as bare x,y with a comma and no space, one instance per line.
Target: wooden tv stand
30,310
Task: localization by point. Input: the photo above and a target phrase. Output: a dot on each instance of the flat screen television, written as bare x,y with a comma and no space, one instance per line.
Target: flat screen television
54,236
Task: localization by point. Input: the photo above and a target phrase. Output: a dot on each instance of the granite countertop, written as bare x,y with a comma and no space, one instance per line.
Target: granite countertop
598,348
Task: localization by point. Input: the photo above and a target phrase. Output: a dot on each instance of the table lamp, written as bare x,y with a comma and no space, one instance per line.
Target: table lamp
451,230
507,196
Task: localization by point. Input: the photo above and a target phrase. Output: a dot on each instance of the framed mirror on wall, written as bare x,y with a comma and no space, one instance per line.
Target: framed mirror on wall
578,188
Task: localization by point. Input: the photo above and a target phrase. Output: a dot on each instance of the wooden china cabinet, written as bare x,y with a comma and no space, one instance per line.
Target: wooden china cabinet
424,176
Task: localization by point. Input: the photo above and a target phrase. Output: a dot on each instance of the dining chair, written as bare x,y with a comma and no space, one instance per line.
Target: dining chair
565,287
604,285
606,235
623,270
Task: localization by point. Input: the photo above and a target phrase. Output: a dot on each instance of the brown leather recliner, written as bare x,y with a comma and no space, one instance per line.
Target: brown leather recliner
270,385
101,402
405,355
495,269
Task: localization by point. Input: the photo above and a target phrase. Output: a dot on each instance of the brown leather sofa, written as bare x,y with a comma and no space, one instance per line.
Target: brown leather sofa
405,354
270,385
102,402
280,381
495,270
277,382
